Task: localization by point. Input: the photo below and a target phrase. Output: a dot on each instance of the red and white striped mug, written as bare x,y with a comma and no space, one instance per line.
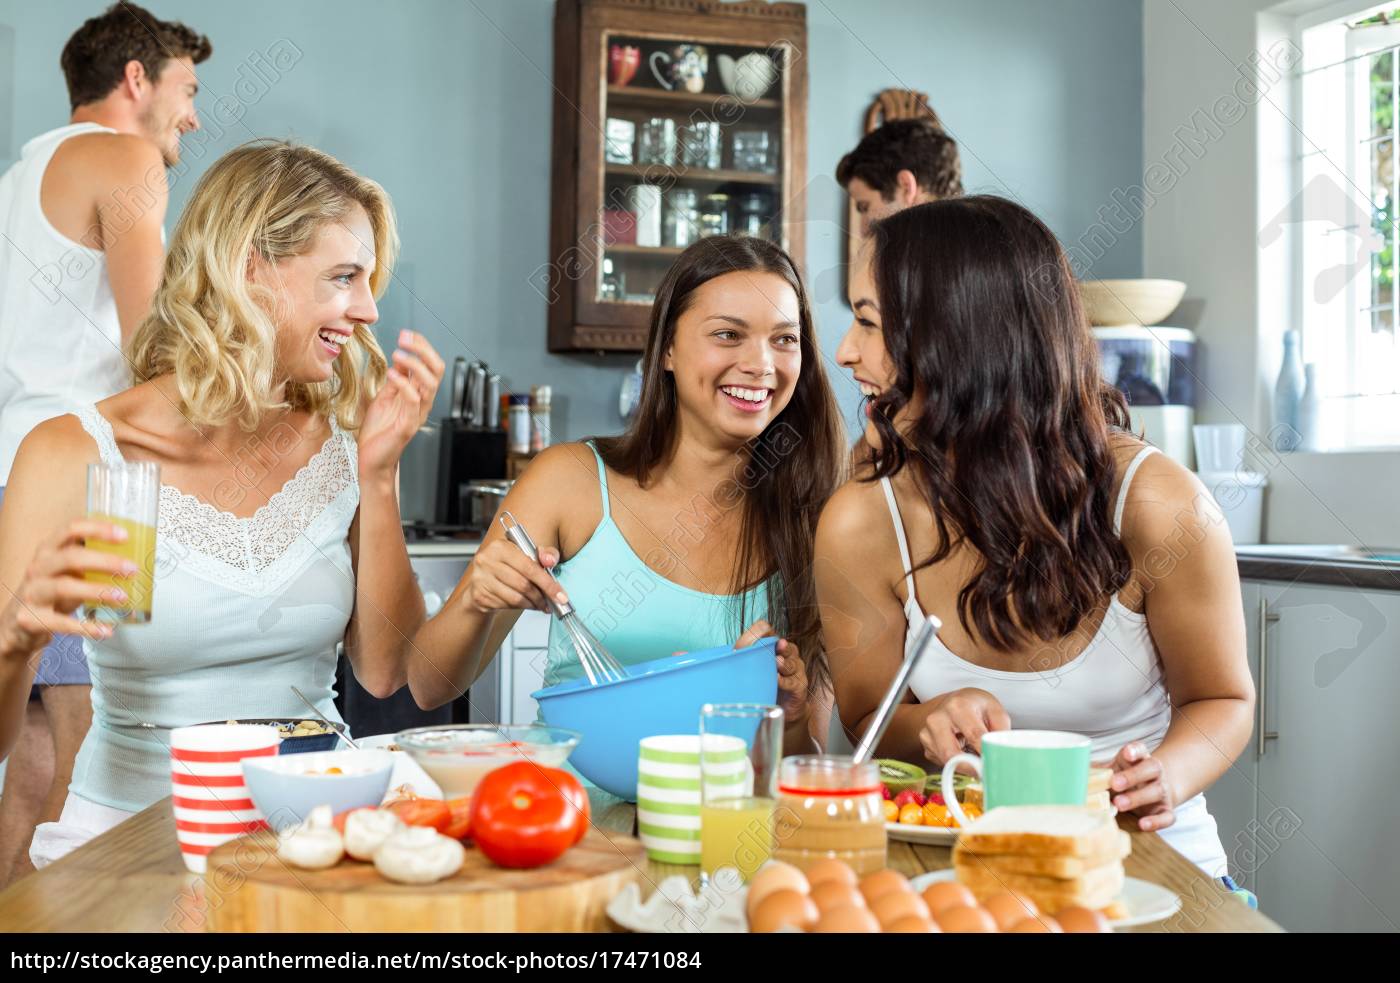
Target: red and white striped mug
211,801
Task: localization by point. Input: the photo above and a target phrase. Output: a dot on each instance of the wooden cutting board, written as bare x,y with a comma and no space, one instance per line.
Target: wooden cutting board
247,889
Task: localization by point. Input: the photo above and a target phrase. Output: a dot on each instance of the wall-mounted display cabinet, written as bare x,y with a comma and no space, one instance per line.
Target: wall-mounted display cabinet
673,120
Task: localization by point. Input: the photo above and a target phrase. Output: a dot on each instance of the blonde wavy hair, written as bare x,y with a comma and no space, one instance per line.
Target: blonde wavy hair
216,331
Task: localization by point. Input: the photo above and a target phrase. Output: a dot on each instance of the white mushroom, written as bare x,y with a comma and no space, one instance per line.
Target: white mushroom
367,829
419,855
314,844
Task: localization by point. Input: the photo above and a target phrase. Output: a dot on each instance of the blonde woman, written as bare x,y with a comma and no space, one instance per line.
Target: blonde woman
278,426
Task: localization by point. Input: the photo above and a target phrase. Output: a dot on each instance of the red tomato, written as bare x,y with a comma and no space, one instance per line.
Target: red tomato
573,791
525,815
460,824
422,812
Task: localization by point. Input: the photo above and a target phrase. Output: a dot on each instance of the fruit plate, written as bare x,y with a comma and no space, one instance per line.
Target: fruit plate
927,835
1146,902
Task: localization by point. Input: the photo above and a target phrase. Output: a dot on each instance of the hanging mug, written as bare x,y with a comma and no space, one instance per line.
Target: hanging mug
686,65
623,61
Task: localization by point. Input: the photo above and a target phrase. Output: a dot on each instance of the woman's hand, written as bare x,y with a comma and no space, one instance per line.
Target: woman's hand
792,671
502,578
400,407
1139,785
956,722
54,587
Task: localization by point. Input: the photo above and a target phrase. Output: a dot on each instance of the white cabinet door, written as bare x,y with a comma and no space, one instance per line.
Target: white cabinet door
530,639
1327,852
1232,798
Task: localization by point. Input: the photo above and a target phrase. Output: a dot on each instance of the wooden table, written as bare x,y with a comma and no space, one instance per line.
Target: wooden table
131,879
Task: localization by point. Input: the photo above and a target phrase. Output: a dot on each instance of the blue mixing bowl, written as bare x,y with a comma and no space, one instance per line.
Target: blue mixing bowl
663,696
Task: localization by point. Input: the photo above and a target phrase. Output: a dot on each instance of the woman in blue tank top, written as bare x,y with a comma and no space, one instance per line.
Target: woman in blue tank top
694,528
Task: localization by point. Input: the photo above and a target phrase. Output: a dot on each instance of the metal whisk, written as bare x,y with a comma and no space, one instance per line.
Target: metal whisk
598,663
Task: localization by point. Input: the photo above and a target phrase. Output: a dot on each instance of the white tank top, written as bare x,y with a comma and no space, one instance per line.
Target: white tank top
1113,692
243,610
60,338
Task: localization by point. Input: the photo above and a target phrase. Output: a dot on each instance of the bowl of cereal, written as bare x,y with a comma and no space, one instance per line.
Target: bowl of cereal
287,789
298,735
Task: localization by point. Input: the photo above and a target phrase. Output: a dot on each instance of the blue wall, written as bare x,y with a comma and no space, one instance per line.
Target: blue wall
447,103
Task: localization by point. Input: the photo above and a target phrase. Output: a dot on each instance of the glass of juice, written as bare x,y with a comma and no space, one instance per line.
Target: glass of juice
741,749
126,495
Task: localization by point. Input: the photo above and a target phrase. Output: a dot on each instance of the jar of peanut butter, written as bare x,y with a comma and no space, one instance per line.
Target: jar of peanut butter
829,806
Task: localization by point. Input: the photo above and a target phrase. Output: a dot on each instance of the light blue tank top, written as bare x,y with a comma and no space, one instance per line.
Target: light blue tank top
635,612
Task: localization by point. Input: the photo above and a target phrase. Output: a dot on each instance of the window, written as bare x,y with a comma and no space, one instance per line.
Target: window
1348,263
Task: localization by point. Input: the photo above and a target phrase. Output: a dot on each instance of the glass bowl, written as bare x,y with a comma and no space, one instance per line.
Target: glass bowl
457,756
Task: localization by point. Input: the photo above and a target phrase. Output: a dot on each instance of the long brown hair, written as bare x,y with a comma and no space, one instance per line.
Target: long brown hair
982,322
787,472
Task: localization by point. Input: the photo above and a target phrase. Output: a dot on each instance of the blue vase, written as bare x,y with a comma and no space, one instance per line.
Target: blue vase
1288,394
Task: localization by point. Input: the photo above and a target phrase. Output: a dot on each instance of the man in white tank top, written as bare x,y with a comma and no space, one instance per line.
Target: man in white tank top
82,217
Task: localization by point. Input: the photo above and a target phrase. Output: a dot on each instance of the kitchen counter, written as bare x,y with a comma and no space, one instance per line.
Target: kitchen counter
1364,568
443,547
131,879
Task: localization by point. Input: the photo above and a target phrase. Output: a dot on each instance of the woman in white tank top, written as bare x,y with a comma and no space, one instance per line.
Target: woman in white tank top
278,424
1085,582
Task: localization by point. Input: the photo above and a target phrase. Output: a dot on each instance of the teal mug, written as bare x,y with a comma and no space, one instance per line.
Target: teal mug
1025,768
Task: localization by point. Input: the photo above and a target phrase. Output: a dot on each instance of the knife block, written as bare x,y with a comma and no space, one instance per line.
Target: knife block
465,453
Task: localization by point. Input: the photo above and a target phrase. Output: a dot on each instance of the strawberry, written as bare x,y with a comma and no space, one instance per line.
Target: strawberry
909,796
937,799
885,789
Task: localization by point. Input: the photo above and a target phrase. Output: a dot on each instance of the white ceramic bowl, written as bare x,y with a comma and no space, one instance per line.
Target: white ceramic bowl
287,787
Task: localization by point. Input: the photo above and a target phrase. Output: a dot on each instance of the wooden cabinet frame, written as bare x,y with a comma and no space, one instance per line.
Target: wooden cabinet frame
578,320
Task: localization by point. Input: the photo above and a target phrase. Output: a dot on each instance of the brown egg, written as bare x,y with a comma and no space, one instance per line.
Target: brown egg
784,909
966,920
1008,908
877,885
775,876
829,869
912,924
834,894
847,920
895,905
947,894
1040,924
1082,920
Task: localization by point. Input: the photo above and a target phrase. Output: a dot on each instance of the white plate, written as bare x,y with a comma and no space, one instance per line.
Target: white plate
929,835
1146,902
406,770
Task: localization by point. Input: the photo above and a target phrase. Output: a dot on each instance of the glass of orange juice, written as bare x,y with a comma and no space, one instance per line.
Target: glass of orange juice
738,793
126,495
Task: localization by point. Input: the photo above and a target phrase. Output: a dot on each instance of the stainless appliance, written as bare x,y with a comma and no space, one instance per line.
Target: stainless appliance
1155,368
438,563
481,500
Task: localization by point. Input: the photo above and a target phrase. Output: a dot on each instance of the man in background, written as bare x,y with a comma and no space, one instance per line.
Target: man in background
905,162
81,250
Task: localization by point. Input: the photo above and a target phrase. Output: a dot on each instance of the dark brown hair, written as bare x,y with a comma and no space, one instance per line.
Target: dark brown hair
95,57
789,470
982,322
919,146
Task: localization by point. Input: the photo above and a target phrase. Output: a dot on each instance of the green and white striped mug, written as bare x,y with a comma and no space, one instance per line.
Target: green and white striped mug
668,790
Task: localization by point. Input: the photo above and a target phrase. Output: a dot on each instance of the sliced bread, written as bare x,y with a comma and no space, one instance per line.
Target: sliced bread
1096,888
1064,867
1056,831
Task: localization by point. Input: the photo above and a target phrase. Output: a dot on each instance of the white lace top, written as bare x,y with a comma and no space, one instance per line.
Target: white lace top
243,610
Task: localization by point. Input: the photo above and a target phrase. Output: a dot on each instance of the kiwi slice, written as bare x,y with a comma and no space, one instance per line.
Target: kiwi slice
960,783
899,776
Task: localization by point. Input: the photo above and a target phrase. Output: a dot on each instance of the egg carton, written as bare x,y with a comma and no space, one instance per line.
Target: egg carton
717,907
